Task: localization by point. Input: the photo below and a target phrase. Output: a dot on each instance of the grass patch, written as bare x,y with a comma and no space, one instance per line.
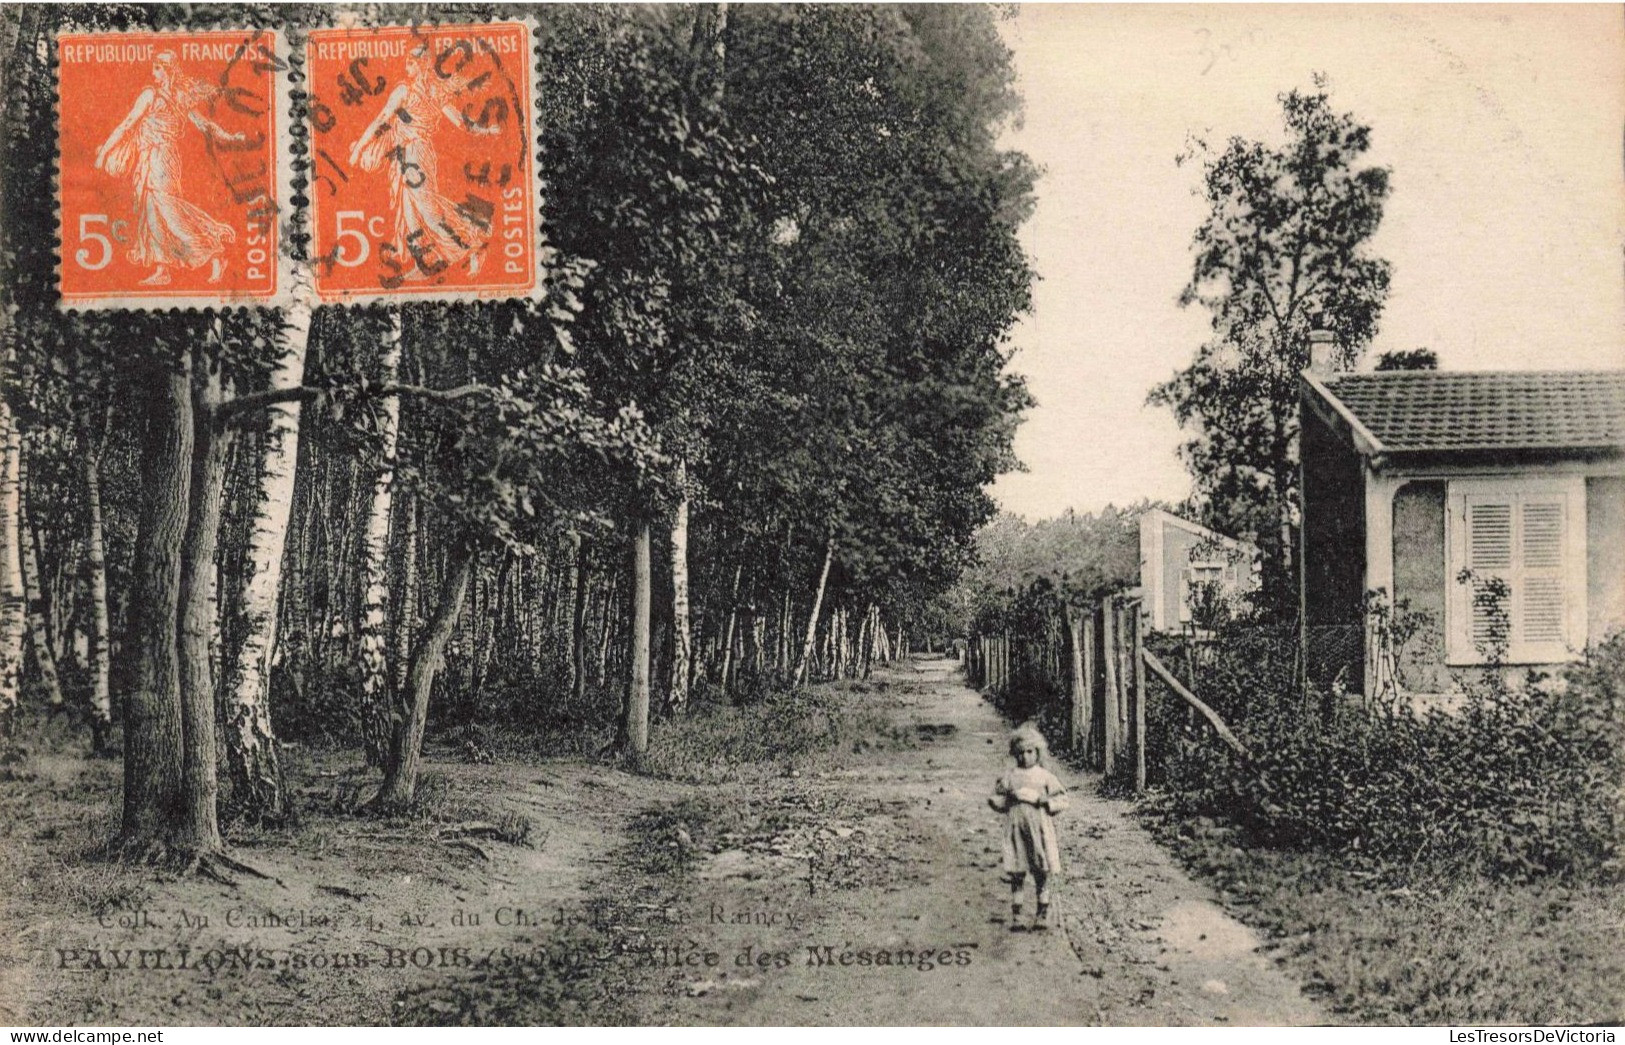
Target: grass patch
788,731
1440,949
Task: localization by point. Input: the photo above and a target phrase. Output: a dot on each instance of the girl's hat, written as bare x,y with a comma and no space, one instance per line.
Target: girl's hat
1027,735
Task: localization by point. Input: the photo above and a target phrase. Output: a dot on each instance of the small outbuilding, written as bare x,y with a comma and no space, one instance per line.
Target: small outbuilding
1454,519
1181,562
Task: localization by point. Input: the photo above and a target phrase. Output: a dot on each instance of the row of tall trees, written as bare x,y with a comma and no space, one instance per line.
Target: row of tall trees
742,439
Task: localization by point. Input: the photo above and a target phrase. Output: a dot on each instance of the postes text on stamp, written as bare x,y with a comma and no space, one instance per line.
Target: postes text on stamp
168,169
423,171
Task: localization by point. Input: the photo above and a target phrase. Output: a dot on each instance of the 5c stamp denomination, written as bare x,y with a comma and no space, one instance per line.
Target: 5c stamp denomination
172,191
423,170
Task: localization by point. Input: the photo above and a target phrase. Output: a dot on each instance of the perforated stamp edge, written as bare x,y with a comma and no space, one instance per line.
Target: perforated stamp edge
283,290
543,252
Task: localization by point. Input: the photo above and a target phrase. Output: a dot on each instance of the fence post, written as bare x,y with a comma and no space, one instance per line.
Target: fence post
1108,651
1139,699
1090,753
1079,719
1125,673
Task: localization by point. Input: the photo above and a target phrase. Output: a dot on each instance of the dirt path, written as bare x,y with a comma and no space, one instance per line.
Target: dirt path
864,894
1140,944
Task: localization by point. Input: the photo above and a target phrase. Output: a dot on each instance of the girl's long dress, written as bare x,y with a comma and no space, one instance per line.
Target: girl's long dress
169,230
1029,841
430,233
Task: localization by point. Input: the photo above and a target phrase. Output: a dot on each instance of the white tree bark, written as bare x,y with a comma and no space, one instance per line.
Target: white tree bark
374,635
406,626
681,640
728,633
251,755
13,608
809,643
39,631
637,686
101,667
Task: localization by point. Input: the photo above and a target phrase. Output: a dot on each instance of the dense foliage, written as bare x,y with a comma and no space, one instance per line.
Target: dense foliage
1518,781
1284,251
1023,568
782,264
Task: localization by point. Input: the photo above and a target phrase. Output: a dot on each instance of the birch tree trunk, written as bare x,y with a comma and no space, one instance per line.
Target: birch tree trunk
373,634
101,663
39,629
781,640
411,712
636,726
681,640
253,764
808,643
406,624
728,633
574,580
13,601
606,631
578,624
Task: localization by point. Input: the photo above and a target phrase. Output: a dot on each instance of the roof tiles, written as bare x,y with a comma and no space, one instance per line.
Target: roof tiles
1420,410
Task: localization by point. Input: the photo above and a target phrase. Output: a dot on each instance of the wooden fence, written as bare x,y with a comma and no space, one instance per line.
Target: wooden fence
1088,679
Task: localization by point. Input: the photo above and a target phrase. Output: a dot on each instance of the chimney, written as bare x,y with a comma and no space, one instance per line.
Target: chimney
1323,352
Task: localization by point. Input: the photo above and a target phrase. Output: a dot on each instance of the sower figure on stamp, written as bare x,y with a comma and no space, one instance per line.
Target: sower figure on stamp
169,230
431,232
1029,796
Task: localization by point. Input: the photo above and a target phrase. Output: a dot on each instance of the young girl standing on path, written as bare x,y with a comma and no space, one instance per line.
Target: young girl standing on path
1029,796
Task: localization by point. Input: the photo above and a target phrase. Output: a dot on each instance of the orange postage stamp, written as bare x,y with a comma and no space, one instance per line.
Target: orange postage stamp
170,168
424,181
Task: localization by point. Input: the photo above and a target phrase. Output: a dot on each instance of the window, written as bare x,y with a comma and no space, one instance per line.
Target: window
1525,538
1190,580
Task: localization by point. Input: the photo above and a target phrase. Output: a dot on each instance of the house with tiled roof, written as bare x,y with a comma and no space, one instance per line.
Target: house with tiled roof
1484,512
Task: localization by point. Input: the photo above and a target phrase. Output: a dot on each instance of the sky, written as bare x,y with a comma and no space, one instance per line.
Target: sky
1502,126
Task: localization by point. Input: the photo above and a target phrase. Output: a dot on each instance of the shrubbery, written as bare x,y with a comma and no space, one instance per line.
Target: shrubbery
1517,781
779,729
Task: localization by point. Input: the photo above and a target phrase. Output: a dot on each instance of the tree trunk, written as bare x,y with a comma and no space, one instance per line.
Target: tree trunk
808,643
606,631
636,724
373,635
681,648
39,629
101,672
578,624
197,829
406,623
152,709
258,788
781,640
411,712
728,633
13,601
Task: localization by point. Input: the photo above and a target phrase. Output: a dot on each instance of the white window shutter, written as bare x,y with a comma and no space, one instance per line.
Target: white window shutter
1489,555
1531,534
1542,609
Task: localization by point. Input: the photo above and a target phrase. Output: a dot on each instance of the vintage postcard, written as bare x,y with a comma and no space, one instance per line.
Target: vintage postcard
812,515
